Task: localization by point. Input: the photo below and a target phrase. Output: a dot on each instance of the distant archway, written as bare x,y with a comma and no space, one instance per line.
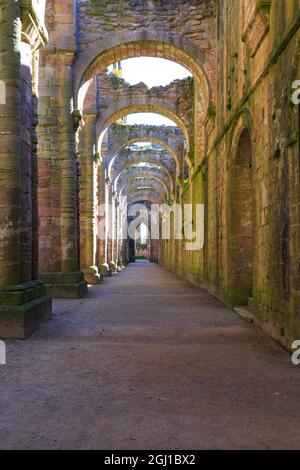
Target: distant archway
159,141
124,107
126,171
134,181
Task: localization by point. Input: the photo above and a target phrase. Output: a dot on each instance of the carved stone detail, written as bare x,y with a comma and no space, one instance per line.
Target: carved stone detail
257,24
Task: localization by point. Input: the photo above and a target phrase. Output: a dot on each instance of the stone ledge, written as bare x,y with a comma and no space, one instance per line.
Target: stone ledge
244,314
22,293
22,309
65,285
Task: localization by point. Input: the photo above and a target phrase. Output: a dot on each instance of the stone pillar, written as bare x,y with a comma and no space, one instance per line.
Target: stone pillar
113,254
101,261
122,228
109,225
118,256
35,176
87,197
23,299
58,175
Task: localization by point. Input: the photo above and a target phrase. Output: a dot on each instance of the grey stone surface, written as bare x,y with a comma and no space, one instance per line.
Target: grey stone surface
148,361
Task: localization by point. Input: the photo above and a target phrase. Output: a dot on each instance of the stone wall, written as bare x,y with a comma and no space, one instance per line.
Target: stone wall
192,20
258,60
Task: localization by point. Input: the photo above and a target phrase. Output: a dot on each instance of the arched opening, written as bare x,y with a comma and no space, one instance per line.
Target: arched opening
242,221
142,244
139,160
132,179
99,56
123,108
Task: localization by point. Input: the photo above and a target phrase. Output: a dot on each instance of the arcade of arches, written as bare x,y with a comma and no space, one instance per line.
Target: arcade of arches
66,150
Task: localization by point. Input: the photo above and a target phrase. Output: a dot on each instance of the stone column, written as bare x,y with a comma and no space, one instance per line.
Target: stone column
58,175
109,225
101,261
113,223
122,254
23,300
87,197
118,256
34,158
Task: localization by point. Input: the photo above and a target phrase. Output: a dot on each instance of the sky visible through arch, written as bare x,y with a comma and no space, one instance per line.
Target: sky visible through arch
153,72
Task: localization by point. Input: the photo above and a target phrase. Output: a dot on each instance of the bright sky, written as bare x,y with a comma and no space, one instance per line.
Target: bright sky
153,72
149,118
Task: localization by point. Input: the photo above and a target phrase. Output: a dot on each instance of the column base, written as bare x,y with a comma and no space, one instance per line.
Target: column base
22,309
65,285
113,267
120,266
104,270
92,276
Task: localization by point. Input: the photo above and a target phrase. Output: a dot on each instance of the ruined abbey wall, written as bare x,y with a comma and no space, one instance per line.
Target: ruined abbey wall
235,148
258,61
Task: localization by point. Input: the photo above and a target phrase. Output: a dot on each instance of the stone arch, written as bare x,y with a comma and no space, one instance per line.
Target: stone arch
125,107
171,136
138,196
148,200
242,211
116,150
135,179
156,163
145,187
129,44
